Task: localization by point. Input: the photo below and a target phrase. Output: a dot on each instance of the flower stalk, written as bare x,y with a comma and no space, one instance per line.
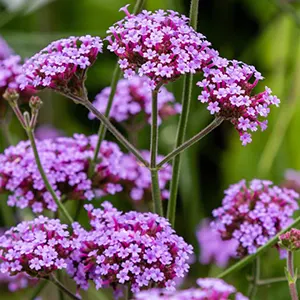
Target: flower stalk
290,275
255,278
56,282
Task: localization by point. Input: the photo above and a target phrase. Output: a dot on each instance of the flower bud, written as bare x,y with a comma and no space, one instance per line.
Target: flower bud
290,240
11,95
35,102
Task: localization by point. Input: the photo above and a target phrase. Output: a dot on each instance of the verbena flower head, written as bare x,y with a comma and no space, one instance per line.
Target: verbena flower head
136,178
254,214
5,50
210,289
160,45
37,247
290,240
228,91
133,99
62,65
66,162
134,249
17,282
210,243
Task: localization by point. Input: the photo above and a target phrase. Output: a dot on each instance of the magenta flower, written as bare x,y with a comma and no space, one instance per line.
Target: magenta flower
210,289
160,45
253,215
137,179
66,162
136,249
227,89
62,65
37,247
210,243
133,99
5,50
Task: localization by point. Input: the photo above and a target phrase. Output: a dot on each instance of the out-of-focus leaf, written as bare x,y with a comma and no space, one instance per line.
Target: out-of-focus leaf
27,6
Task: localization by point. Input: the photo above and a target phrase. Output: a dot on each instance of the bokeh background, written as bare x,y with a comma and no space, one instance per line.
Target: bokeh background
265,33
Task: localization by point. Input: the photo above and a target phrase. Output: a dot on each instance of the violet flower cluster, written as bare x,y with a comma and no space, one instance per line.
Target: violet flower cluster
134,249
227,89
66,162
37,247
210,243
137,179
160,45
254,214
132,98
5,50
210,289
62,65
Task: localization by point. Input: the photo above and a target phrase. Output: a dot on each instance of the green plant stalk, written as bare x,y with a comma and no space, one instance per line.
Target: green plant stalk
38,290
44,176
186,100
156,196
255,279
292,281
60,292
248,259
63,288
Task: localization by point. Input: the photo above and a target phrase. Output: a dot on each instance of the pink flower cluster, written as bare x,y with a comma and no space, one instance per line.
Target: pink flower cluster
66,162
160,45
210,289
210,243
134,97
134,249
37,247
62,64
290,240
227,89
253,215
137,179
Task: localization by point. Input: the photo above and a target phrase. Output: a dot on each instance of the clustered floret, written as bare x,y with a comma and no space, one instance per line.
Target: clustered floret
62,65
210,243
134,97
137,179
37,247
134,249
253,215
160,45
290,240
210,289
66,162
227,89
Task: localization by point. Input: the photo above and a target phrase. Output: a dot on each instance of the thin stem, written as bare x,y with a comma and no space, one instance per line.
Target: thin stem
156,197
63,288
291,279
44,176
38,290
255,279
214,124
248,259
60,292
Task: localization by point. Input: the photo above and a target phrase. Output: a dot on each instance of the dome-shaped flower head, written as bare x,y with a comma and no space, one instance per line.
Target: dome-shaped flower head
228,91
160,45
210,289
66,161
134,249
5,50
133,98
136,178
37,247
210,243
62,65
254,214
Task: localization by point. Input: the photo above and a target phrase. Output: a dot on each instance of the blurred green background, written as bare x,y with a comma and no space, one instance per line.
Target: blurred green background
265,33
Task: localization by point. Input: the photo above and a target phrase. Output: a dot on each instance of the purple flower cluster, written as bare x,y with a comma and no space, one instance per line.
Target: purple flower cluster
62,65
227,89
47,131
160,45
17,282
66,162
210,289
137,249
210,243
5,50
134,97
137,179
252,215
37,247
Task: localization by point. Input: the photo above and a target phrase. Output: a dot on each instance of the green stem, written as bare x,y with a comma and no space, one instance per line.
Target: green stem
63,288
156,196
255,279
44,176
38,290
248,259
60,292
214,124
291,280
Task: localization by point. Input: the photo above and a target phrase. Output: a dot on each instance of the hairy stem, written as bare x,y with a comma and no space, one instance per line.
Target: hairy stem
255,279
44,176
292,280
54,280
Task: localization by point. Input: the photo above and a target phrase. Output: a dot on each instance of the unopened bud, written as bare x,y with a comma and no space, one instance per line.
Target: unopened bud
290,240
11,95
35,102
